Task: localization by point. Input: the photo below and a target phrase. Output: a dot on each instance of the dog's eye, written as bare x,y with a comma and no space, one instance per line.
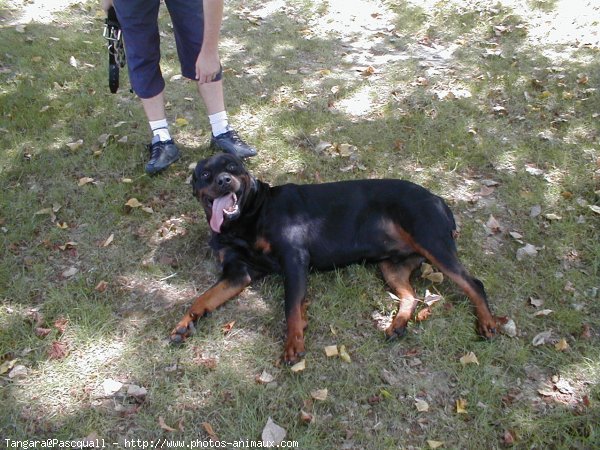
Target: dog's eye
205,175
231,168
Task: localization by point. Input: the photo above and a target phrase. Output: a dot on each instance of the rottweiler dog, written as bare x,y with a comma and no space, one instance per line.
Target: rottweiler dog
289,229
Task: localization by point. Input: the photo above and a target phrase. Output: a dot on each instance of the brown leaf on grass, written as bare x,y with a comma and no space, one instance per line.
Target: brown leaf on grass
58,350
586,332
85,180
493,225
562,345
204,359
42,332
108,240
434,444
207,427
368,71
509,437
101,286
228,327
306,417
162,424
423,314
67,246
61,324
461,406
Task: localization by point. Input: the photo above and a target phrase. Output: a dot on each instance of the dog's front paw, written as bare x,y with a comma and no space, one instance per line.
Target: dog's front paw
487,328
392,333
294,349
184,329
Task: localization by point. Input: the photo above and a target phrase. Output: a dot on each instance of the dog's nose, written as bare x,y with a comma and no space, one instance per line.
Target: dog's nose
224,180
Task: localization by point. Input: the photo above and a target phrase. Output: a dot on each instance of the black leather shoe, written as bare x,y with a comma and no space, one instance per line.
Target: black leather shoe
230,142
162,155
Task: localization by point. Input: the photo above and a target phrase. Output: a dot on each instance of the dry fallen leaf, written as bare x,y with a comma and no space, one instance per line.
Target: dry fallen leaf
133,203
562,345
509,328
17,371
101,286
163,425
306,417
70,272
111,387
319,394
226,329
85,180
435,444
421,405
7,365
541,338
331,350
299,366
527,251
209,430
136,391
543,312
537,302
493,225
181,122
265,378
272,434
469,358
435,277
75,145
344,354
108,240
461,406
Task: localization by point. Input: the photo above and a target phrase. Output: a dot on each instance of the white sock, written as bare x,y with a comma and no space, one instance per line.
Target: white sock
219,123
160,128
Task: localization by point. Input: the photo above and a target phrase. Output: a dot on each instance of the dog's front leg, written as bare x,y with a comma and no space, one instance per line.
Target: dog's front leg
295,268
232,282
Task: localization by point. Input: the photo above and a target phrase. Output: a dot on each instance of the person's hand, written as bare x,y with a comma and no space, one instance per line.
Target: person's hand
208,66
106,4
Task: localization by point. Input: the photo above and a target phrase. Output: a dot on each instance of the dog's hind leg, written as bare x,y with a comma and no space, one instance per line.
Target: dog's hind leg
397,276
442,253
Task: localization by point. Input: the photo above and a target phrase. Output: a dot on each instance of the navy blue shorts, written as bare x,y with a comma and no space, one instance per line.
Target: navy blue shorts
139,23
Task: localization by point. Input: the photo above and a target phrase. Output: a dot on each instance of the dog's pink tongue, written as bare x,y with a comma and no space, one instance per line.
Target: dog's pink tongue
220,204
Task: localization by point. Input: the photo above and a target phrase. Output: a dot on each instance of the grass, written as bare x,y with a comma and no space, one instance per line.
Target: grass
294,75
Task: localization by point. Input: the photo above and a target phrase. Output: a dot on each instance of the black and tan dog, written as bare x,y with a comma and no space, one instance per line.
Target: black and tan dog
288,229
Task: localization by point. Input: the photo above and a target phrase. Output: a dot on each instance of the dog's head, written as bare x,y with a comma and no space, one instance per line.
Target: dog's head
222,185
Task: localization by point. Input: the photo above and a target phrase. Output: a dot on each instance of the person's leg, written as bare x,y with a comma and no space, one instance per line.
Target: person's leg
188,25
139,23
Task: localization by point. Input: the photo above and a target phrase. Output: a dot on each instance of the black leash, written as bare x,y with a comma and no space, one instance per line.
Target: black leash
116,49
